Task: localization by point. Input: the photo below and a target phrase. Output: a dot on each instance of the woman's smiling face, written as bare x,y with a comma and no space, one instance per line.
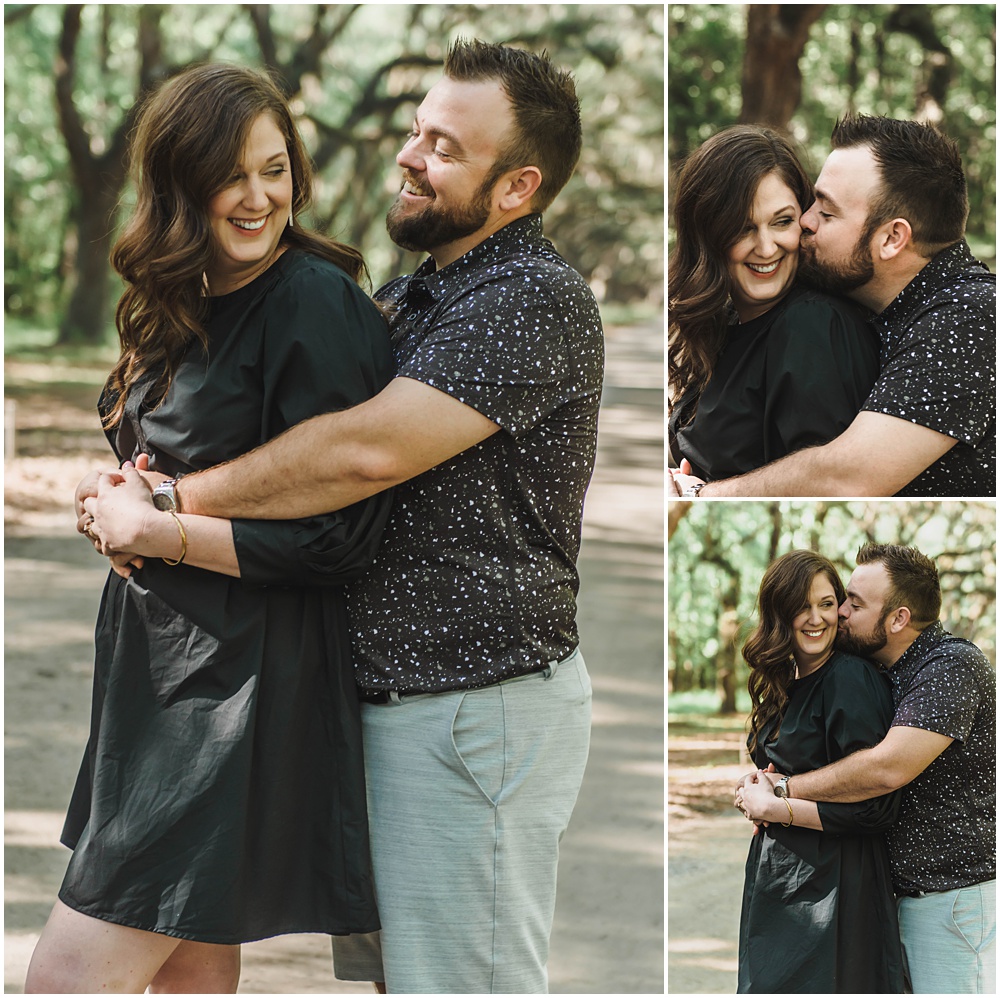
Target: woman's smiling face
763,261
814,628
249,215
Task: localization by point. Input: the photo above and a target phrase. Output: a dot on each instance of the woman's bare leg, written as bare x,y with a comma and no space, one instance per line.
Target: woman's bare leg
78,954
198,969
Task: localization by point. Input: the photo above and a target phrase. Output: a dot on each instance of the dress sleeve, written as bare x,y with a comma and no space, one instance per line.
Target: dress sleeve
326,347
859,711
822,359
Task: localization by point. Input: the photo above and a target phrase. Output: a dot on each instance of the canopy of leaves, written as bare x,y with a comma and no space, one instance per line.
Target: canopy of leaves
356,73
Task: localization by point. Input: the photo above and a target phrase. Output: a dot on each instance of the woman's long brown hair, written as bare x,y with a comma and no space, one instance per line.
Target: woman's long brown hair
189,135
712,204
784,591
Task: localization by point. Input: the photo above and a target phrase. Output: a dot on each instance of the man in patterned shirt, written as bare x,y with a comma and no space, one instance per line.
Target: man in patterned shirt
941,748
886,230
476,700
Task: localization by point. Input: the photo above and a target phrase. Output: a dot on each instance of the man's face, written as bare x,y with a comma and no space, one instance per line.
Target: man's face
445,206
862,615
836,243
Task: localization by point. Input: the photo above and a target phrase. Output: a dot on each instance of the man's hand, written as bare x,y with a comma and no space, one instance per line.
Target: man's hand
151,478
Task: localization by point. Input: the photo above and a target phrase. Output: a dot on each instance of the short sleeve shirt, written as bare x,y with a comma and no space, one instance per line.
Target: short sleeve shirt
476,577
945,836
938,364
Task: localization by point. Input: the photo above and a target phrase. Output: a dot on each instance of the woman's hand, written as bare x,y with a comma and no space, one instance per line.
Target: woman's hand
123,518
757,801
682,478
87,489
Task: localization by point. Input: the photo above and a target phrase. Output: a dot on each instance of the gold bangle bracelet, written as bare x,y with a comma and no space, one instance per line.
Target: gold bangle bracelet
791,813
184,540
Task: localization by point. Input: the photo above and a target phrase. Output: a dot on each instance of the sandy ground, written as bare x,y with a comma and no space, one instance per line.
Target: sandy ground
608,936
707,843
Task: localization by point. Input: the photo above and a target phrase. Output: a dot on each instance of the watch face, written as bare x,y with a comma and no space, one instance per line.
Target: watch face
163,496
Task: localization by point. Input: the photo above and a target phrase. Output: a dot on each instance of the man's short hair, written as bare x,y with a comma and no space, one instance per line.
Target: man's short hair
547,130
921,173
913,581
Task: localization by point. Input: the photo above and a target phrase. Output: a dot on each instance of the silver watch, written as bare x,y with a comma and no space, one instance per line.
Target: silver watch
165,496
692,491
781,787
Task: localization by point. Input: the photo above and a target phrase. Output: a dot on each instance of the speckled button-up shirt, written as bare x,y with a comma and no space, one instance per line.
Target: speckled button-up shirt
945,835
938,369
476,580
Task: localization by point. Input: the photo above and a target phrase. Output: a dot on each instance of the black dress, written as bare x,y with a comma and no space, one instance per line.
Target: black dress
819,914
221,798
793,377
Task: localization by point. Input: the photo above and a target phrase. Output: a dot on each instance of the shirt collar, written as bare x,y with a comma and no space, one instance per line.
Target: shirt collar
938,273
522,231
915,654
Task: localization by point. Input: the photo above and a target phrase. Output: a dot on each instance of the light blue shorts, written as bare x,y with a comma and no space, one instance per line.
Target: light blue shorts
949,940
469,794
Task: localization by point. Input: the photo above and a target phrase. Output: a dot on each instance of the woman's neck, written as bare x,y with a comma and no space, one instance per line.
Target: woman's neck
217,284
803,669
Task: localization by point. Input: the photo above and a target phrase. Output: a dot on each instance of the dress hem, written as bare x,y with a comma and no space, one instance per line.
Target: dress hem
207,937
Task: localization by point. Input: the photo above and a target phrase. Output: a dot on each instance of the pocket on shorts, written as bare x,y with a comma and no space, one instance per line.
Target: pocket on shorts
969,916
477,734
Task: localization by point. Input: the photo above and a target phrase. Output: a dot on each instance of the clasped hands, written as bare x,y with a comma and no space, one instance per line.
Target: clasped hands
112,510
681,478
755,795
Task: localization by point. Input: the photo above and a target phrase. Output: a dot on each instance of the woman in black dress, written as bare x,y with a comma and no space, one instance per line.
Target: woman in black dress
819,914
221,797
758,366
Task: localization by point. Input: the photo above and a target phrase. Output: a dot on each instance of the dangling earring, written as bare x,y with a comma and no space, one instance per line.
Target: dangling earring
291,220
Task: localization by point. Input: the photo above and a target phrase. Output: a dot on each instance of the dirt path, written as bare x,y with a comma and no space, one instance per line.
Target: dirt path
608,936
707,842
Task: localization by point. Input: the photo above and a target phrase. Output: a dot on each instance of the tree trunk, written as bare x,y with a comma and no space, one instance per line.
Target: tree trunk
772,82
939,65
88,314
728,658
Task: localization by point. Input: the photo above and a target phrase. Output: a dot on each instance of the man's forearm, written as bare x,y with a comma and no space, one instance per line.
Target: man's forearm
877,455
337,459
855,778
809,472
303,472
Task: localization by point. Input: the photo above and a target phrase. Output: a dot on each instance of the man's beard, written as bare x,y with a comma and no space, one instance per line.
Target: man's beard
862,645
837,278
434,226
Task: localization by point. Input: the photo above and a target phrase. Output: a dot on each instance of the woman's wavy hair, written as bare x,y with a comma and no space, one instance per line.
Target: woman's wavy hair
189,134
713,200
784,590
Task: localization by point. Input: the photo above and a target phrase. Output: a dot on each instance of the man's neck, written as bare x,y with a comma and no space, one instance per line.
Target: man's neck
894,651
450,252
880,292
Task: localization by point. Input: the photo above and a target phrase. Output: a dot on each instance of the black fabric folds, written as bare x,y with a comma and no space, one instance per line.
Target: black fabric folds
221,797
819,916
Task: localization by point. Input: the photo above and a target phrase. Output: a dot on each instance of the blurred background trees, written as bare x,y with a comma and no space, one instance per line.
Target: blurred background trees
802,66
73,74
719,551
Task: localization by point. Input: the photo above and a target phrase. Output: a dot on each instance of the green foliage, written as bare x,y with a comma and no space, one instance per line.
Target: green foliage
355,101
857,58
721,548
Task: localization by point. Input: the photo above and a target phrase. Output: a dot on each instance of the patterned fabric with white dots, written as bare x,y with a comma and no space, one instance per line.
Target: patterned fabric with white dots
476,579
945,835
938,369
